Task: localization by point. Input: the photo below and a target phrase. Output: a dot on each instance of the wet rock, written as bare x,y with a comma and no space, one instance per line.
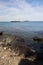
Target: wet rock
30,53
8,40
1,33
20,41
38,39
40,56
25,62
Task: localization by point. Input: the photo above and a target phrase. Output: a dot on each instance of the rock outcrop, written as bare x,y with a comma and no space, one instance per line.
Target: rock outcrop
14,51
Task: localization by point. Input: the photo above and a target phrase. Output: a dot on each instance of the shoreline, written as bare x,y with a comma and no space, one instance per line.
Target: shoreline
13,49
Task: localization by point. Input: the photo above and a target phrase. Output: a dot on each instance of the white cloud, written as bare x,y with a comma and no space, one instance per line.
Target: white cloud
20,11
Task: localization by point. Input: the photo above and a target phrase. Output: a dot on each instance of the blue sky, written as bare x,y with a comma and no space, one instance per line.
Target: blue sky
21,10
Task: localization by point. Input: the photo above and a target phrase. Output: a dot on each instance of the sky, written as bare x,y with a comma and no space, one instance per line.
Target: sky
21,10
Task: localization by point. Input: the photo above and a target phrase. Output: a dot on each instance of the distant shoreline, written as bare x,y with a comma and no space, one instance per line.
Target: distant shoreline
19,21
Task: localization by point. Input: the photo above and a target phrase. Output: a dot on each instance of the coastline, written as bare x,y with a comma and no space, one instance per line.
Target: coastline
13,48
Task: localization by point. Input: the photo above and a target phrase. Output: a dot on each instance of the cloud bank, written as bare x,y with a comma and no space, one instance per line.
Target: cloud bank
21,10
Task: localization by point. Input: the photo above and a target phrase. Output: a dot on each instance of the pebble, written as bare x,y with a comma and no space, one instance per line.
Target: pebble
5,48
16,54
9,49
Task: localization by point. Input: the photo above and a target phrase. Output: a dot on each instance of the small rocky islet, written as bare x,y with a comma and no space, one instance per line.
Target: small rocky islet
14,51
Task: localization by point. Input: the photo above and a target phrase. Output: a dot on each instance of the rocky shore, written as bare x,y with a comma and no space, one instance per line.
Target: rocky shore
14,51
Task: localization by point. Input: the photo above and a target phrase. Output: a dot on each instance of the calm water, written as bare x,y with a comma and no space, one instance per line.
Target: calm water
22,26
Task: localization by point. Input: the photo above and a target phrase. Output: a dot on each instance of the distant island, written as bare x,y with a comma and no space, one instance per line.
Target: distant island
19,21
15,21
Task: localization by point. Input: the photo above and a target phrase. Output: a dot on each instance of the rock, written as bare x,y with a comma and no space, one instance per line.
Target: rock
20,39
32,58
8,40
5,48
4,40
40,56
9,49
38,39
1,33
3,45
2,57
25,62
16,54
29,53
8,44
1,49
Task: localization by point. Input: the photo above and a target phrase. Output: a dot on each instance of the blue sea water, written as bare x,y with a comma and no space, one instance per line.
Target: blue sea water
22,26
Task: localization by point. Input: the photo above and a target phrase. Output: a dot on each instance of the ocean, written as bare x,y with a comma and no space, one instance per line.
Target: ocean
26,30
21,26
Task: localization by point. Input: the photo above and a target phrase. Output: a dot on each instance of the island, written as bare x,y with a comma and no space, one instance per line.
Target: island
20,21
15,21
